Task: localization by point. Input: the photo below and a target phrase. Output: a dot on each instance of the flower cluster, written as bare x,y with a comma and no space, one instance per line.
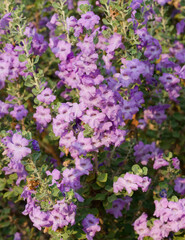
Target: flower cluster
91,110
131,183
145,152
170,219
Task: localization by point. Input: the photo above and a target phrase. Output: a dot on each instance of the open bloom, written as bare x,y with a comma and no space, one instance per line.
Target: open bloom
89,20
90,226
42,116
17,147
46,96
19,112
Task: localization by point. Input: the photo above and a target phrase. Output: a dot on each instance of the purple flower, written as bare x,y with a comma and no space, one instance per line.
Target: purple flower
153,52
56,175
176,163
114,42
129,182
17,147
71,22
144,184
46,96
87,46
19,112
135,4
155,231
129,109
156,113
84,165
88,20
60,48
180,26
90,226
180,185
59,125
160,162
168,80
82,2
118,205
39,218
67,139
162,2
160,206
180,56
4,21
38,44
17,236
71,178
163,193
35,145
58,220
140,226
102,43
42,116
4,108
16,167
93,118
62,214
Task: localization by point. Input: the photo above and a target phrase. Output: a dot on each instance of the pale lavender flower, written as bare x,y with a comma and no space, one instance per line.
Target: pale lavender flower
17,236
89,20
18,147
140,226
46,96
176,163
84,165
42,116
4,108
90,226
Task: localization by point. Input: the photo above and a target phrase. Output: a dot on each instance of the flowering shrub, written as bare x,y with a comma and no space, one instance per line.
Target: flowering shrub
92,111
